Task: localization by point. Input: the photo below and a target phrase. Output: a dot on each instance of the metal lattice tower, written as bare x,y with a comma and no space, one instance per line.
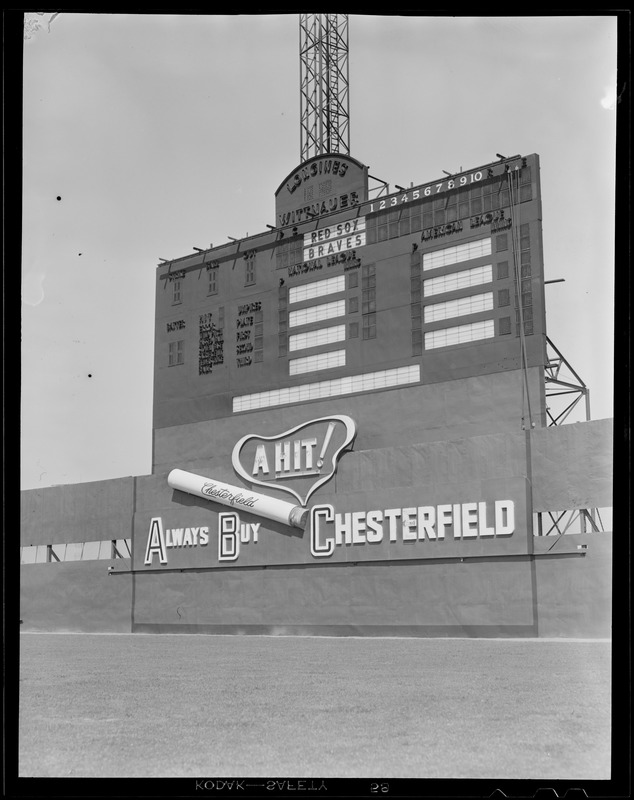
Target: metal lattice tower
324,96
558,384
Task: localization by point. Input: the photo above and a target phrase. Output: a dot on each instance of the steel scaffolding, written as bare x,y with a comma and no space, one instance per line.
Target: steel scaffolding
324,96
563,382
573,388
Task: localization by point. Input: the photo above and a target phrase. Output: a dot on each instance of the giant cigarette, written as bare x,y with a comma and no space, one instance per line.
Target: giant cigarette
236,497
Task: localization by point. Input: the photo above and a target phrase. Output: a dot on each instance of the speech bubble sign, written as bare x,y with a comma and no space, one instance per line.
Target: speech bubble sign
297,461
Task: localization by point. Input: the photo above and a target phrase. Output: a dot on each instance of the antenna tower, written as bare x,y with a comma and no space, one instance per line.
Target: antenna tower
324,96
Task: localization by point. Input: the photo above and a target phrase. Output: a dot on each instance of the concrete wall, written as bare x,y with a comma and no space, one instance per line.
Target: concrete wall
559,591
572,466
451,410
80,512
563,593
552,595
448,598
76,596
574,587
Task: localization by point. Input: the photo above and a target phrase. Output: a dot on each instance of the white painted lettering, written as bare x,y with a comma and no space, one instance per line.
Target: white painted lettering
282,456
374,533
457,528
297,452
343,528
504,517
358,527
260,461
308,445
482,521
318,548
228,538
411,524
155,542
408,518
426,520
469,520
392,514
444,519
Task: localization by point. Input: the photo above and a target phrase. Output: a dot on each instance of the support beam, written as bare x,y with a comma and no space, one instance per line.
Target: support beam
556,386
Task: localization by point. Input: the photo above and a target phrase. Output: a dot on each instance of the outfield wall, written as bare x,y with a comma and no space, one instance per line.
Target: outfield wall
542,586
76,596
574,591
562,594
79,512
551,595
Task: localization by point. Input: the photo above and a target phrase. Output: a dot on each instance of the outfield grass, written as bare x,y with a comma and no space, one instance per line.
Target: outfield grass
191,706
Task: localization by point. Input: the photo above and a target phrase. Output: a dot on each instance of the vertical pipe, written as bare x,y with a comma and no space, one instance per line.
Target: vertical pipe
587,393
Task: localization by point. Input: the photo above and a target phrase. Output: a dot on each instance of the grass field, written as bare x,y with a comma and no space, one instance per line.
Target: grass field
190,706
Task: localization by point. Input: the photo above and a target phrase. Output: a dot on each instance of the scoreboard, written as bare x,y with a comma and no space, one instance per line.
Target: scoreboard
349,293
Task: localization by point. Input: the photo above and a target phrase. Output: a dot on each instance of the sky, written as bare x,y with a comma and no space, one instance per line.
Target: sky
145,136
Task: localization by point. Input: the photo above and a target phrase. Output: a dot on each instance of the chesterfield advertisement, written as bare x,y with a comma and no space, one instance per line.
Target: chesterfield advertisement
291,504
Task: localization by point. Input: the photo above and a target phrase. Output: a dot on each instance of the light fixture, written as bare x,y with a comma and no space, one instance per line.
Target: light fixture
500,157
279,231
400,188
232,239
200,250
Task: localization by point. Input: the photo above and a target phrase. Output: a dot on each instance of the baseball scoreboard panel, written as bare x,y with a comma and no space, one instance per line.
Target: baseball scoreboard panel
348,294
